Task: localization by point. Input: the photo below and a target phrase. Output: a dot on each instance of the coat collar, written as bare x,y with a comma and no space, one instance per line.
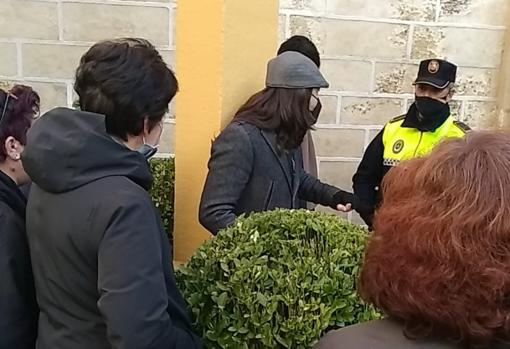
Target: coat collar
411,121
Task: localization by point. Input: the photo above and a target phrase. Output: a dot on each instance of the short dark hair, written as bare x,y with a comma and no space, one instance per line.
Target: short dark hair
303,45
22,106
127,81
280,109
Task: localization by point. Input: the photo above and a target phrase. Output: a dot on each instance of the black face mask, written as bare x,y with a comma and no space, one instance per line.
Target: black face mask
316,111
430,109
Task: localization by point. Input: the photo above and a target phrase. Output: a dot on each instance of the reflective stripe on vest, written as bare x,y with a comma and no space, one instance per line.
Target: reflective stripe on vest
402,143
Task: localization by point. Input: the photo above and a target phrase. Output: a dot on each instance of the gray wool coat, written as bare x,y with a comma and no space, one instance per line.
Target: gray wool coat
248,173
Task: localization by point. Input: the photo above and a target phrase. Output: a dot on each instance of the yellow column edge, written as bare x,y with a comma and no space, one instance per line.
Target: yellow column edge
222,48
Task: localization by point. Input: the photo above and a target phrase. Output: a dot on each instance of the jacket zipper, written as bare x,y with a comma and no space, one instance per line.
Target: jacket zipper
418,146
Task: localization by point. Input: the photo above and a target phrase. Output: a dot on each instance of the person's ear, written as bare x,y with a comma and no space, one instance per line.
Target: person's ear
450,94
13,148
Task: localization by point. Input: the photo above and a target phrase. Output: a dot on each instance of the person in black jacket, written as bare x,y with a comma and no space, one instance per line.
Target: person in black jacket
102,263
255,163
427,122
18,305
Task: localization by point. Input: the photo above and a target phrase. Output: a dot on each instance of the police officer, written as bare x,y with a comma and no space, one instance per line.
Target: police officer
427,122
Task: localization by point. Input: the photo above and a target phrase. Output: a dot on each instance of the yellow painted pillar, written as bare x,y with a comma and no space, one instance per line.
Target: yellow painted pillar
222,50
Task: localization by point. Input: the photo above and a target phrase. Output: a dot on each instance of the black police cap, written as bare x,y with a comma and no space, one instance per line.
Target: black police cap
436,72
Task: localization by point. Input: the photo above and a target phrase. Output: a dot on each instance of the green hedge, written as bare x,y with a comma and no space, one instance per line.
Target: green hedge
276,279
162,191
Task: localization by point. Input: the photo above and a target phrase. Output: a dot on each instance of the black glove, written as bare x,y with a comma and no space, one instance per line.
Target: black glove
344,198
365,210
368,218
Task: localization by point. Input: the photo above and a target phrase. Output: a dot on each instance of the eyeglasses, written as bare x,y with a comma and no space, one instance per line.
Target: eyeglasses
4,109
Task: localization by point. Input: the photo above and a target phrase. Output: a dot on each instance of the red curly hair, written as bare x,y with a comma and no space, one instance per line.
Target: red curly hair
439,257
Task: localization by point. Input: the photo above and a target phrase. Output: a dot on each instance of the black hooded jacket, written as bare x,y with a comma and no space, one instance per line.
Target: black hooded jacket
102,264
18,307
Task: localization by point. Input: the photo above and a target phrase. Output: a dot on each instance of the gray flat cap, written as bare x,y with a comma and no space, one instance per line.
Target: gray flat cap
294,70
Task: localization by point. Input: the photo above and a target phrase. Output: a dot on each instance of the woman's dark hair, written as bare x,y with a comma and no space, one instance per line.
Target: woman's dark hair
286,111
21,105
127,81
303,45
439,258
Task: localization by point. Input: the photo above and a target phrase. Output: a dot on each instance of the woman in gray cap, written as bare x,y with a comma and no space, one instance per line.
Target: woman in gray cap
255,164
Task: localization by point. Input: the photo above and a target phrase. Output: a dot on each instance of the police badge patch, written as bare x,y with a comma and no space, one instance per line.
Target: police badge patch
433,66
398,146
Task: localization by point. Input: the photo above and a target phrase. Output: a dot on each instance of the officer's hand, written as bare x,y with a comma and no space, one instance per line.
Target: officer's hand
344,208
362,207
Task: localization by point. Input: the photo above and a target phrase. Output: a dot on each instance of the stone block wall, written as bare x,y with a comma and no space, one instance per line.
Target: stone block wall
370,52
41,41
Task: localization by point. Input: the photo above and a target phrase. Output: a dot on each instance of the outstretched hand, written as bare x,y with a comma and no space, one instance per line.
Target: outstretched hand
344,208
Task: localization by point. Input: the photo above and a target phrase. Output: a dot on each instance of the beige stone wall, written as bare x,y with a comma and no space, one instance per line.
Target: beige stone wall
370,50
41,41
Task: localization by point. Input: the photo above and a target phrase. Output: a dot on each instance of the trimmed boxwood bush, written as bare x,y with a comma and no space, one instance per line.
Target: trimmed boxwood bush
276,279
162,191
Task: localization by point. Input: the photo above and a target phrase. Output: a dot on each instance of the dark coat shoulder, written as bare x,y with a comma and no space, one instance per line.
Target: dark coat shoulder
377,334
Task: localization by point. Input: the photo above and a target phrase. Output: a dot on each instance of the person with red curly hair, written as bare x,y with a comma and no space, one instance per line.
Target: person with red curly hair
18,305
438,263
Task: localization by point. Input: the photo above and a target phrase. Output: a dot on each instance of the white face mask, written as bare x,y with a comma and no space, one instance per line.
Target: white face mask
149,150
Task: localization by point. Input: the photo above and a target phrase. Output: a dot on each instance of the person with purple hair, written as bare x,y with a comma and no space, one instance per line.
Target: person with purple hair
18,305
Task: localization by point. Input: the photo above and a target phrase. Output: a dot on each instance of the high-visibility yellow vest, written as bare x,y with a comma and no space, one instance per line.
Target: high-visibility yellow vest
402,143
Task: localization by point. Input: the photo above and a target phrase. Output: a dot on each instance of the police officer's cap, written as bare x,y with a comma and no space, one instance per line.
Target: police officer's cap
436,72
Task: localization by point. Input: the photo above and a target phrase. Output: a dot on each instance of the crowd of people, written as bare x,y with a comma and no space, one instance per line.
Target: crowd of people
84,260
